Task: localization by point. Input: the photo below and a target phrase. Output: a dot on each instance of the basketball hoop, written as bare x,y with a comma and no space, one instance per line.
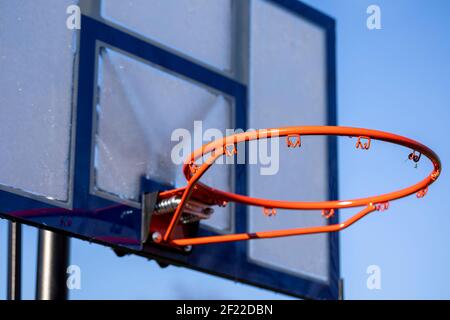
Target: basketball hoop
228,147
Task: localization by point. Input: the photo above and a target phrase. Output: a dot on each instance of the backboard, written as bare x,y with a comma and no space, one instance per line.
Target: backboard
97,117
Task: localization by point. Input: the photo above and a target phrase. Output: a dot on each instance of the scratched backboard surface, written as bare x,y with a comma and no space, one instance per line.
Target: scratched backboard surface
125,91
288,82
36,99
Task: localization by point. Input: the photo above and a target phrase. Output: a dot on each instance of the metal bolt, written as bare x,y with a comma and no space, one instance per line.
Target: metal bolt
188,248
156,237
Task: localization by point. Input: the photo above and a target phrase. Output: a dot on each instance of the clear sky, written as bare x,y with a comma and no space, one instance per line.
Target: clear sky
395,79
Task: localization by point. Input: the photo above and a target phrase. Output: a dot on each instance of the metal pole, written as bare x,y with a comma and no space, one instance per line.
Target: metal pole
53,259
14,260
341,289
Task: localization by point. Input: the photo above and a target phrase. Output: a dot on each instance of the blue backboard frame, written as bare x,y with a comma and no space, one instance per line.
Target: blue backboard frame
120,226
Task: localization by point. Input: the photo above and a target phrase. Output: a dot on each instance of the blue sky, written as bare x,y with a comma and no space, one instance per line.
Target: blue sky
395,79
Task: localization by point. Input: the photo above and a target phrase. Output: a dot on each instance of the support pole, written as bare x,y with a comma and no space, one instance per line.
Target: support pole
14,260
53,259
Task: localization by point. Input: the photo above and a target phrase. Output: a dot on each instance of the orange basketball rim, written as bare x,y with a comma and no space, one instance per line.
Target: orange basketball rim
228,147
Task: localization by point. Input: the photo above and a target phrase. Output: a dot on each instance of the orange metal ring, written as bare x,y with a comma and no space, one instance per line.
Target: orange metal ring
369,202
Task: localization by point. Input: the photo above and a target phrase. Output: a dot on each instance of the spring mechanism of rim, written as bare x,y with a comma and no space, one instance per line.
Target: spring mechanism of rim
189,219
167,205
194,211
